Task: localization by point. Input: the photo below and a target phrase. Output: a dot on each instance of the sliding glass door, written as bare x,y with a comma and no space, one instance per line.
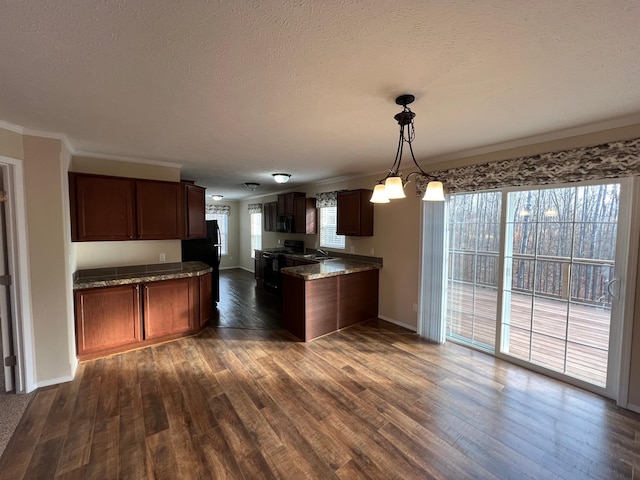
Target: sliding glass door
532,276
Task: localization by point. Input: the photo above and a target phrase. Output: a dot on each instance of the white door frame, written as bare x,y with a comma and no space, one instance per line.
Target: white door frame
18,268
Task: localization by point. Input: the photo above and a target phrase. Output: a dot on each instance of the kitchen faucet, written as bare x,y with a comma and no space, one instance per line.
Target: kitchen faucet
323,252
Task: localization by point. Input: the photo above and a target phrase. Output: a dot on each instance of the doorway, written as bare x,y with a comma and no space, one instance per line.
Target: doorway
533,276
7,381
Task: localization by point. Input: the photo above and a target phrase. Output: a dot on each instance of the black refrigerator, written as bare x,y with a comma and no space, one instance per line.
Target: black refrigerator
206,250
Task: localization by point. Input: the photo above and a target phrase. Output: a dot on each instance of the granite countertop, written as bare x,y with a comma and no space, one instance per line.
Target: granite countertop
107,277
328,268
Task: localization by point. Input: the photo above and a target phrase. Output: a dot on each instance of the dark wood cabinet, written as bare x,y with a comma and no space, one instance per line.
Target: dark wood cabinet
105,208
101,208
107,318
114,319
205,298
194,211
317,307
358,297
305,215
270,216
258,268
158,210
285,202
355,213
168,308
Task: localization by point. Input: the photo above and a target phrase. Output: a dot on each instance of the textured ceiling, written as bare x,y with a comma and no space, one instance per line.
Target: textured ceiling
238,90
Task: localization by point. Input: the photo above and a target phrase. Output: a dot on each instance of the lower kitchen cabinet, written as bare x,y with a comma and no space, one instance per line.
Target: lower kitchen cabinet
168,308
316,307
206,298
118,318
107,318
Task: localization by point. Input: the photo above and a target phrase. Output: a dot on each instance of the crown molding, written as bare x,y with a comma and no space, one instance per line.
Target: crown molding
80,153
37,133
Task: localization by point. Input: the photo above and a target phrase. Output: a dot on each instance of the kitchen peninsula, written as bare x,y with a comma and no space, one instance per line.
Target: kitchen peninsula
326,296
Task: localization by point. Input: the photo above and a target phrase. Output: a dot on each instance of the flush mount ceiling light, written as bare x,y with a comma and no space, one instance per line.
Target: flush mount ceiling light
281,177
216,198
252,186
392,186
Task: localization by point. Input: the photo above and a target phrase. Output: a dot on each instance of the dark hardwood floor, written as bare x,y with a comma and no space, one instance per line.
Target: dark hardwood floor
372,401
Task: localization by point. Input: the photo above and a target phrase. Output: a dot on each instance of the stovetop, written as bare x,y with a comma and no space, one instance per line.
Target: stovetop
290,246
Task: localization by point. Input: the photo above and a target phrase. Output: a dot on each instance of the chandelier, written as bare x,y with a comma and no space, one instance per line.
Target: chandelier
392,186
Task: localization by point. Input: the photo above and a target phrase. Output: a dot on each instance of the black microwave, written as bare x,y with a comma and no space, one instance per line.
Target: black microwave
284,223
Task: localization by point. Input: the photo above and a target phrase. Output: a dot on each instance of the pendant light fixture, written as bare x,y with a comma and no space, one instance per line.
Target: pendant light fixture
392,186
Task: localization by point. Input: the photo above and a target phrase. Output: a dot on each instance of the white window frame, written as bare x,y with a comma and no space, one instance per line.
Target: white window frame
223,225
255,226
626,261
328,238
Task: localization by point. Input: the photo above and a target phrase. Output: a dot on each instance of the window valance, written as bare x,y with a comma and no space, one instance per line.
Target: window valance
220,209
326,199
609,160
254,208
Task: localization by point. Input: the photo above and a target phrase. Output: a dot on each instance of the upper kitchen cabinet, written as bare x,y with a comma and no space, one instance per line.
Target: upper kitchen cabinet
194,211
101,208
285,202
107,208
270,216
355,213
305,215
158,210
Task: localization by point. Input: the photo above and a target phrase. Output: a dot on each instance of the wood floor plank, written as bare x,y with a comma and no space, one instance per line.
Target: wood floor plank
76,450
372,401
131,444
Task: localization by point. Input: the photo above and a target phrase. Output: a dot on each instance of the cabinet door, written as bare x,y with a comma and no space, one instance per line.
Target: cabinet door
258,269
355,213
102,207
206,298
107,318
281,205
195,224
159,210
270,216
168,308
305,215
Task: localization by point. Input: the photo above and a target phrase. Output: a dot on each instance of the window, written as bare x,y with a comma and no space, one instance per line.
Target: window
223,225
256,233
328,225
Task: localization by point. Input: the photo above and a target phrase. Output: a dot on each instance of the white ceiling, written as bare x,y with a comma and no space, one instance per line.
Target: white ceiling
237,90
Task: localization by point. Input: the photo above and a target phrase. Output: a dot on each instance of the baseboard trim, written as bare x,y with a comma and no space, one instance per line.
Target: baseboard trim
633,408
229,268
400,324
55,381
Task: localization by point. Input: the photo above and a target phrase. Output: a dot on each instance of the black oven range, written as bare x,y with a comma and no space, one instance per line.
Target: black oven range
273,261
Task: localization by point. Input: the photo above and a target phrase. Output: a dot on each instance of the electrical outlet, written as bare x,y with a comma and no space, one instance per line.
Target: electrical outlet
415,307
352,249
163,257
372,252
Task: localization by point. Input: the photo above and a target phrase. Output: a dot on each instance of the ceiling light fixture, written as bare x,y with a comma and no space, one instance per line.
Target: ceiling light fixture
281,177
252,186
216,198
392,186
